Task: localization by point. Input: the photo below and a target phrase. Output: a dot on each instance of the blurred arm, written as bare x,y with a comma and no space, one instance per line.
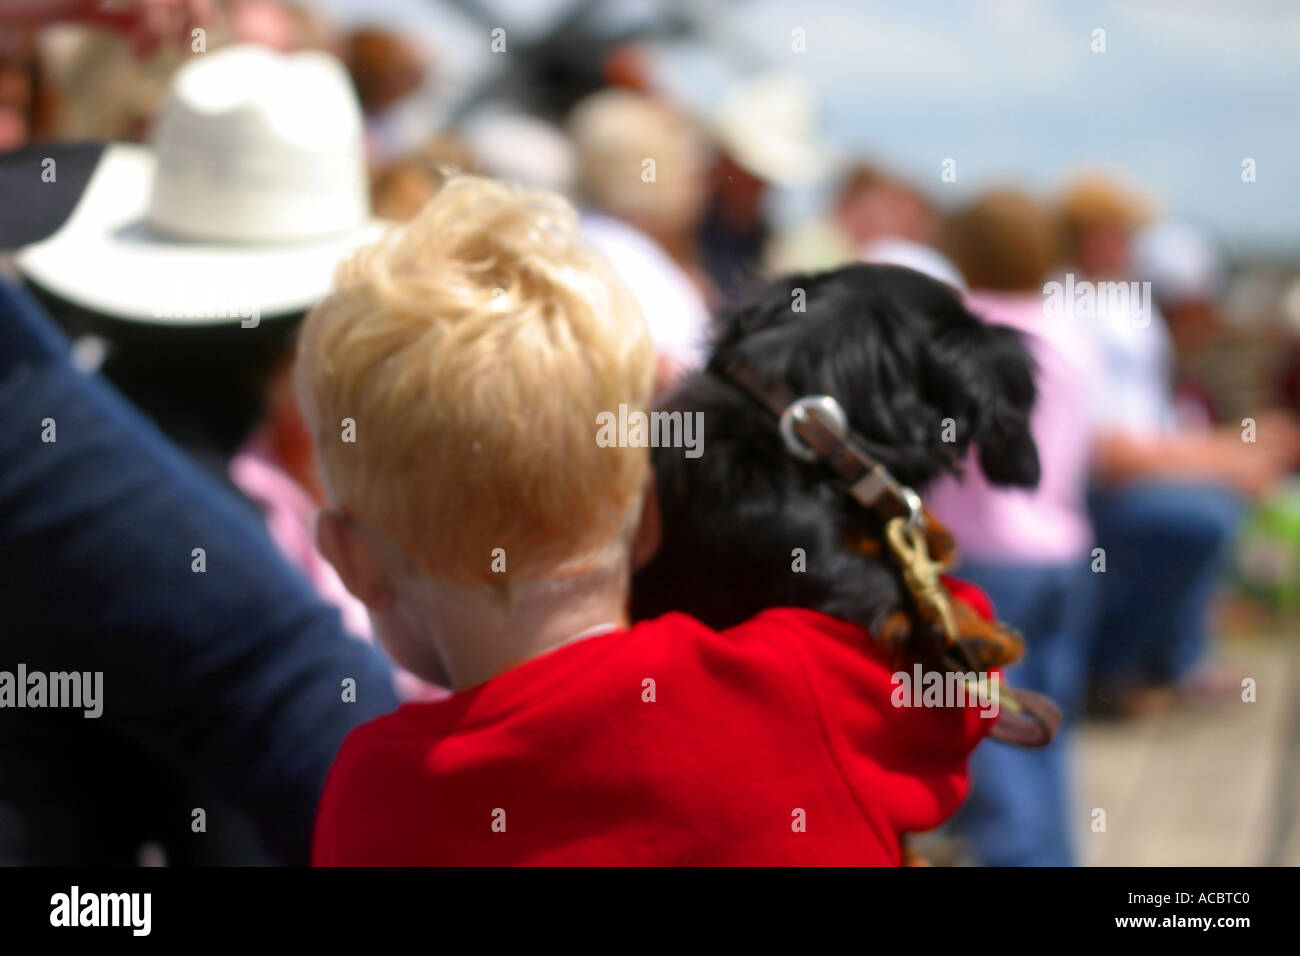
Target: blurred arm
1219,456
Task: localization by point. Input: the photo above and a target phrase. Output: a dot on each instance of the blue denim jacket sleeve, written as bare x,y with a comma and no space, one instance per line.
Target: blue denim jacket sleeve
236,674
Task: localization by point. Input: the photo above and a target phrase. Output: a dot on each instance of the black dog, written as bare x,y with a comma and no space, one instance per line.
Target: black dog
902,355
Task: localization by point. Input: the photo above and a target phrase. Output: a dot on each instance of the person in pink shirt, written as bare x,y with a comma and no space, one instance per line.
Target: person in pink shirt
1030,550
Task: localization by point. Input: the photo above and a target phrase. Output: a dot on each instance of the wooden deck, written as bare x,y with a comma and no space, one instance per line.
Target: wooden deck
1217,786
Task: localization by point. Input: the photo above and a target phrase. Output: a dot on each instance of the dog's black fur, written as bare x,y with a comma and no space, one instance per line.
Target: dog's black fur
900,353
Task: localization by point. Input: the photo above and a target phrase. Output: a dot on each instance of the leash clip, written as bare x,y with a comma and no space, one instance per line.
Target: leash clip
915,509
921,575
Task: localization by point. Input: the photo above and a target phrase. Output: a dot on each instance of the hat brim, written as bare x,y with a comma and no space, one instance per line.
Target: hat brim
784,162
108,260
40,186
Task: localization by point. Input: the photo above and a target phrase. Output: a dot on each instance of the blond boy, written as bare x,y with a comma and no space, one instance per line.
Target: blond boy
454,382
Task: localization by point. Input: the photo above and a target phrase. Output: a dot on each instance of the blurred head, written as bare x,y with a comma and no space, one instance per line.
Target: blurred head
25,103
614,132
384,67
1004,241
872,205
737,194
1098,216
400,189
276,24
473,349
104,92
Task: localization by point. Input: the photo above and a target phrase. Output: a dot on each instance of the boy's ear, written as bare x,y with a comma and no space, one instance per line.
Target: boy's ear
345,546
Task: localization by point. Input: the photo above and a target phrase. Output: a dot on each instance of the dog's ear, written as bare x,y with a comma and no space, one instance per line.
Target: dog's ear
758,326
1006,449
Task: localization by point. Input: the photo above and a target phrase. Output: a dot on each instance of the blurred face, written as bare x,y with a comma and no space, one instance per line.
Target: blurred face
15,102
1193,323
1103,250
13,129
740,194
384,69
265,22
874,213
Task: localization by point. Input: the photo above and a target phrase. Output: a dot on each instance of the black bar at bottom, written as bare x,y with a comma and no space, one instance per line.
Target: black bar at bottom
965,907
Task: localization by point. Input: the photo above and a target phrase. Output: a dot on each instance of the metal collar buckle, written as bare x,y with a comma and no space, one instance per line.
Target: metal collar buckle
828,412
875,479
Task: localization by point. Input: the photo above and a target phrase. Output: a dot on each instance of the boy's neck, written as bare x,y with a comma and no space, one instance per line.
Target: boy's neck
480,632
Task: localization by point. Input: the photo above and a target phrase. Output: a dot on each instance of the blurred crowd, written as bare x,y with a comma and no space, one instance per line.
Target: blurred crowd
1153,459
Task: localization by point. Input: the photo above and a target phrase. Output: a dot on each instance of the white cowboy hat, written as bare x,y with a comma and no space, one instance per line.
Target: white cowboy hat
1180,261
767,124
254,190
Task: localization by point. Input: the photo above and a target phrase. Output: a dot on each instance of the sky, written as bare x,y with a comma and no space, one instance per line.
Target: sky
1010,89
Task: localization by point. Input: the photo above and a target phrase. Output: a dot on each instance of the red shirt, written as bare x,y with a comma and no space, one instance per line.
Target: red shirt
773,742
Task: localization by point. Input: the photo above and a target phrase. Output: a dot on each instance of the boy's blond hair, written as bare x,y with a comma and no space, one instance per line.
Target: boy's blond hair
474,347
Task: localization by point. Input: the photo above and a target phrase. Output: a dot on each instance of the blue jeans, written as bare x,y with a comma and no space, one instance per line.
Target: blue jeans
228,682
1018,811
1166,544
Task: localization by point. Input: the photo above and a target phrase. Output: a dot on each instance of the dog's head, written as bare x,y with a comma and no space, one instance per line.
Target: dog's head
921,379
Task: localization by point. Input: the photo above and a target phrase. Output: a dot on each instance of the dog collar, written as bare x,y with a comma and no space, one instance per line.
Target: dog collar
815,428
